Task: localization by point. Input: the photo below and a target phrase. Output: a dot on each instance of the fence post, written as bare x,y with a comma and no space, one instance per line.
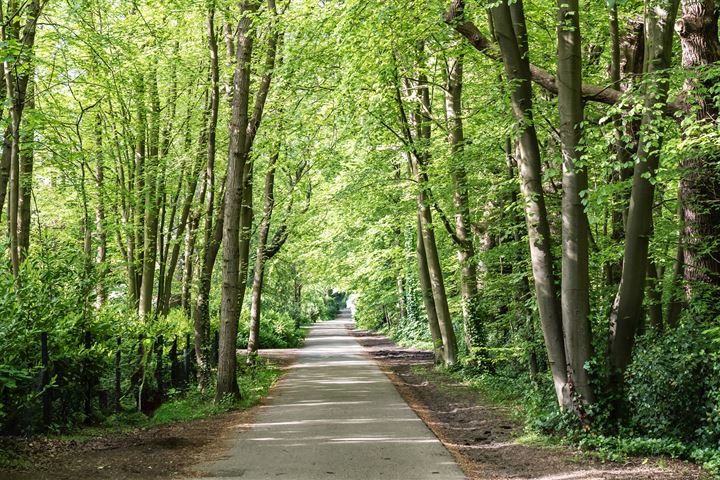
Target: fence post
174,366
45,378
159,366
186,362
88,377
139,377
116,399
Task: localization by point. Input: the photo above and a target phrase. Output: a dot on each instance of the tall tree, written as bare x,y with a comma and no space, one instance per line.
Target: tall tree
628,307
575,293
230,303
700,182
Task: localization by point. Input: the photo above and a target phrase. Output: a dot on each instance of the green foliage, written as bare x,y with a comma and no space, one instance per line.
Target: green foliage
277,330
254,383
671,383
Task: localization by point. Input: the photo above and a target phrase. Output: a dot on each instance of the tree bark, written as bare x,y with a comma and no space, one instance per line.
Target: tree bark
137,185
628,306
700,181
239,190
100,227
16,84
229,308
575,286
518,76
427,296
27,154
150,232
260,257
465,248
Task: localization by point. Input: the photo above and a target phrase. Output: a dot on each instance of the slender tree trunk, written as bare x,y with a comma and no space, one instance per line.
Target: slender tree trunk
402,309
427,296
628,306
518,75
676,296
6,151
246,222
100,227
150,233
575,286
655,296
437,282
134,240
27,157
465,250
259,272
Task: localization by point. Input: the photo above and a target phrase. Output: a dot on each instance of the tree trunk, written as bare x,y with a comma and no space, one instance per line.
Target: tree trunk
230,308
100,227
150,233
27,152
628,305
16,84
518,76
575,286
259,273
700,182
134,240
239,191
427,296
465,247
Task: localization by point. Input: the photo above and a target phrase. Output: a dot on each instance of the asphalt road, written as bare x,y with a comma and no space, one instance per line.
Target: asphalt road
335,416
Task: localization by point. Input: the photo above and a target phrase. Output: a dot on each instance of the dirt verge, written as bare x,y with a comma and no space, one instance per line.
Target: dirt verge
153,453
481,437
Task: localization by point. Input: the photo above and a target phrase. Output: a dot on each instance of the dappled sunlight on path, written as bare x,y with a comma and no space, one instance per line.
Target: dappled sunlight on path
335,415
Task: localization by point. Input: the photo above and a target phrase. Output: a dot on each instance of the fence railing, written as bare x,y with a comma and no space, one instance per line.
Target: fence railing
173,367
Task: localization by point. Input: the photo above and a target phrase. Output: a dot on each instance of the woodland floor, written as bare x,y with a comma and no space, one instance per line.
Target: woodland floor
481,436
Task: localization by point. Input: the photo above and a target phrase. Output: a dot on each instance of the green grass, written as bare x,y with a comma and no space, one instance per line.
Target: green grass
254,382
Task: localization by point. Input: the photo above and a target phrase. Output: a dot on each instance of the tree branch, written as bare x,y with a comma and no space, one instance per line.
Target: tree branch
454,17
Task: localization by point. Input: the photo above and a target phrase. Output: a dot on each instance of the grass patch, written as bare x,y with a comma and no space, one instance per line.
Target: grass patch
254,382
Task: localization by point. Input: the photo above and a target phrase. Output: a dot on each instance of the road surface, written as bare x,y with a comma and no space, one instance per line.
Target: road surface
335,416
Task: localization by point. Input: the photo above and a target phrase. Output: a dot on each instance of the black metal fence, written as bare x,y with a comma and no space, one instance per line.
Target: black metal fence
141,375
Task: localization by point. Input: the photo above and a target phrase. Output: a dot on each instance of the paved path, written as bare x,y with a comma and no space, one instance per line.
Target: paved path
336,416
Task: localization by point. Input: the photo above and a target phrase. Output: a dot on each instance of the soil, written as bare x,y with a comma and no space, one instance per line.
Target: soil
481,437
153,453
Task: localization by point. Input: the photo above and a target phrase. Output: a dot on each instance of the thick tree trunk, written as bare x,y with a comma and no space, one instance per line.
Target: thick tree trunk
239,191
628,306
700,183
518,75
575,286
230,308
